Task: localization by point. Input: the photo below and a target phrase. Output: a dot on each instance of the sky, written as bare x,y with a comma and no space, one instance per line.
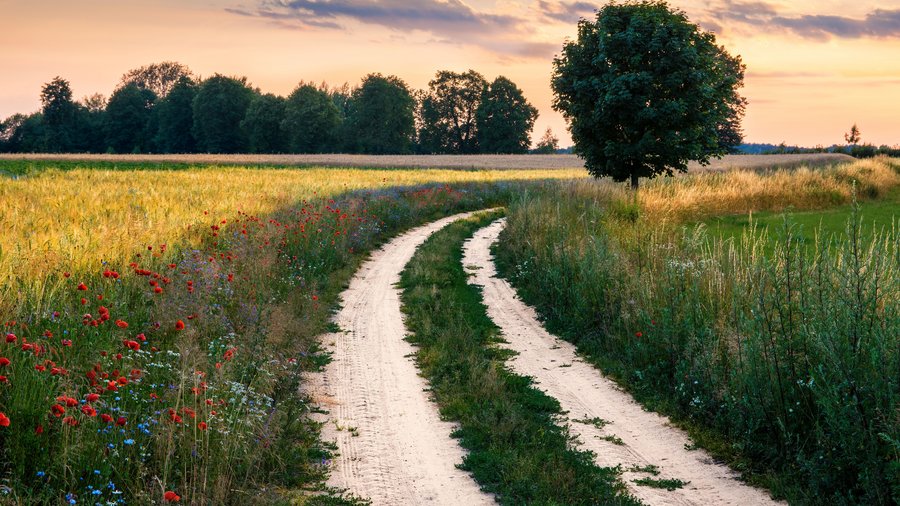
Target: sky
814,67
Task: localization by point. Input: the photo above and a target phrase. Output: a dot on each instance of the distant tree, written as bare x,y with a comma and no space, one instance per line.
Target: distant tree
504,119
219,107
448,112
381,116
8,129
28,135
159,78
311,120
853,136
263,124
58,112
548,144
90,119
174,119
645,91
127,118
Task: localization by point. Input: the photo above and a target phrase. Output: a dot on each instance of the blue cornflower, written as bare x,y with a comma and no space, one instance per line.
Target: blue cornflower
129,442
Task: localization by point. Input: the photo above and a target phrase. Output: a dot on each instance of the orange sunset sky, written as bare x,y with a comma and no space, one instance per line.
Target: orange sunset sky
814,67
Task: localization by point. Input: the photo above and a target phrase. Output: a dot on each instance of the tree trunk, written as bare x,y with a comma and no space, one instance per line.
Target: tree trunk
634,181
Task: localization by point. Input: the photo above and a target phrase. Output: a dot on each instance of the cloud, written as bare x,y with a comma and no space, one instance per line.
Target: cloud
450,20
567,12
756,16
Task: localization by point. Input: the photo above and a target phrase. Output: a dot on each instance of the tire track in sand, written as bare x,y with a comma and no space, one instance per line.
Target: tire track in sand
647,438
393,446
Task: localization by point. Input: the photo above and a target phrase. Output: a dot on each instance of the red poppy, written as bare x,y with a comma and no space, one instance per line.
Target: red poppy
88,410
57,410
82,287
638,334
93,397
179,325
66,274
157,290
122,324
4,361
106,418
3,379
121,421
70,420
132,345
170,496
38,430
4,420
202,425
83,301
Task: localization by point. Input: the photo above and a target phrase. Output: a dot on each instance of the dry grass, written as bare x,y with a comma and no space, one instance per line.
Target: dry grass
699,195
506,162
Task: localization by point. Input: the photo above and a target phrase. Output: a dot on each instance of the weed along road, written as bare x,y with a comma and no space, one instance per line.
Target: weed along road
605,419
394,448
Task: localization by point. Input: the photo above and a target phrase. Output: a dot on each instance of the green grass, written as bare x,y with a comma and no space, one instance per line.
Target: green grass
516,448
876,215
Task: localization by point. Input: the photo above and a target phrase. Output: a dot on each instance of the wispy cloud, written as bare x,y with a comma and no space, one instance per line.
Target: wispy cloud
757,16
450,20
566,12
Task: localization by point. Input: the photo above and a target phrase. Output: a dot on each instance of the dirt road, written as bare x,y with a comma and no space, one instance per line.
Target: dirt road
612,424
394,448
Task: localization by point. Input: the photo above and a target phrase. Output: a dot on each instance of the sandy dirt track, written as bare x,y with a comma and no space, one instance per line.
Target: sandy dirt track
463,162
394,448
583,392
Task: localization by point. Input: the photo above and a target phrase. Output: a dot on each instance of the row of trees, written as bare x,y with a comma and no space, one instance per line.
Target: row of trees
163,108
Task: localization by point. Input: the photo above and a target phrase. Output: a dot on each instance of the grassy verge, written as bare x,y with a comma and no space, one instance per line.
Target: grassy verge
517,449
784,359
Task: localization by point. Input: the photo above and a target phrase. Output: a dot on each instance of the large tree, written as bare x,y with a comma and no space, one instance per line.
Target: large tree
127,118
645,91
311,120
504,119
58,112
447,114
263,124
219,108
174,119
160,78
381,116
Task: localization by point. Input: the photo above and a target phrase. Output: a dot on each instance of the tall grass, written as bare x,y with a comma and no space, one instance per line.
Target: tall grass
168,354
791,358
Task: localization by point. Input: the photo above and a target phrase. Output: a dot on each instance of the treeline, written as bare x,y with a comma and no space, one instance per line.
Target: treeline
163,108
855,150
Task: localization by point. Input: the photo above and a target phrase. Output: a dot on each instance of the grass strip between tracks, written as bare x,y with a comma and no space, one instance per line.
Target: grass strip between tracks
516,446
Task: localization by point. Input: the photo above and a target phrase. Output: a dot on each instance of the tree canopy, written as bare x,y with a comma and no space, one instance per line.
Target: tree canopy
175,119
381,116
504,119
160,78
127,117
646,91
311,119
219,107
448,112
263,124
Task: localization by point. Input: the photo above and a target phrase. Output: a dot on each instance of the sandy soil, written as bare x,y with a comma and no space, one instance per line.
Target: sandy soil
543,162
584,393
394,448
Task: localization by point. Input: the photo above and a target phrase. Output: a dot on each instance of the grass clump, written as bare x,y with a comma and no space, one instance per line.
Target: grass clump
516,448
669,484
